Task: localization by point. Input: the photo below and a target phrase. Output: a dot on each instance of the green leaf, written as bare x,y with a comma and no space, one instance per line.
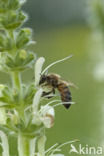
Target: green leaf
13,4
13,19
6,43
23,37
10,62
21,61
28,97
29,58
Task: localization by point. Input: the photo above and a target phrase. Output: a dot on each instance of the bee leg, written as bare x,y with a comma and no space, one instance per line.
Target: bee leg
53,91
45,94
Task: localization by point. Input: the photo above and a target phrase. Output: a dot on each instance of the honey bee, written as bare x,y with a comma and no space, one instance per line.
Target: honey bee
54,81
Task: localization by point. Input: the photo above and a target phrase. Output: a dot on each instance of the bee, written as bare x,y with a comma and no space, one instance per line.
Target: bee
54,81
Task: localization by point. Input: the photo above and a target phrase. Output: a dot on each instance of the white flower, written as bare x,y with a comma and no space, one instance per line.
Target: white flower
36,100
38,69
45,115
36,119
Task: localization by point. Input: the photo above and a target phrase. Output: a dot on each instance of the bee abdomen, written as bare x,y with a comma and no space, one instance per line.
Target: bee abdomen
65,94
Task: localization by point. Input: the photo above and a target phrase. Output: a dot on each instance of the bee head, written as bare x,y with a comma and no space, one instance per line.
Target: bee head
42,79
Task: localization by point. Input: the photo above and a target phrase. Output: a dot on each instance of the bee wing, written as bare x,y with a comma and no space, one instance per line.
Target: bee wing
71,84
58,76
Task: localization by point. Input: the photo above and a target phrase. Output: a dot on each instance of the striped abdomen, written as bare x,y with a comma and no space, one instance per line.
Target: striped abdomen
65,94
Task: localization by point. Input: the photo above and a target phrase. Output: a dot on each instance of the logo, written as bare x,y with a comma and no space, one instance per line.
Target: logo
86,150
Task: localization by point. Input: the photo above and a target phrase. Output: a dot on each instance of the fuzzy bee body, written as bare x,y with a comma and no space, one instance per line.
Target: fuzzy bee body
65,94
54,82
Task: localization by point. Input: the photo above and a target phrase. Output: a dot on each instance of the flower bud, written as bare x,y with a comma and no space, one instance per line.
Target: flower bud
23,37
23,54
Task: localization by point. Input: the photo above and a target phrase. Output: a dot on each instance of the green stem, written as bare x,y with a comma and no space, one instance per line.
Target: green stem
16,80
17,84
26,146
41,145
23,145
10,32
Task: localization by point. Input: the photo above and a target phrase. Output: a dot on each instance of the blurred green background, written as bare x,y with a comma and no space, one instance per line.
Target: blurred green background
60,29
